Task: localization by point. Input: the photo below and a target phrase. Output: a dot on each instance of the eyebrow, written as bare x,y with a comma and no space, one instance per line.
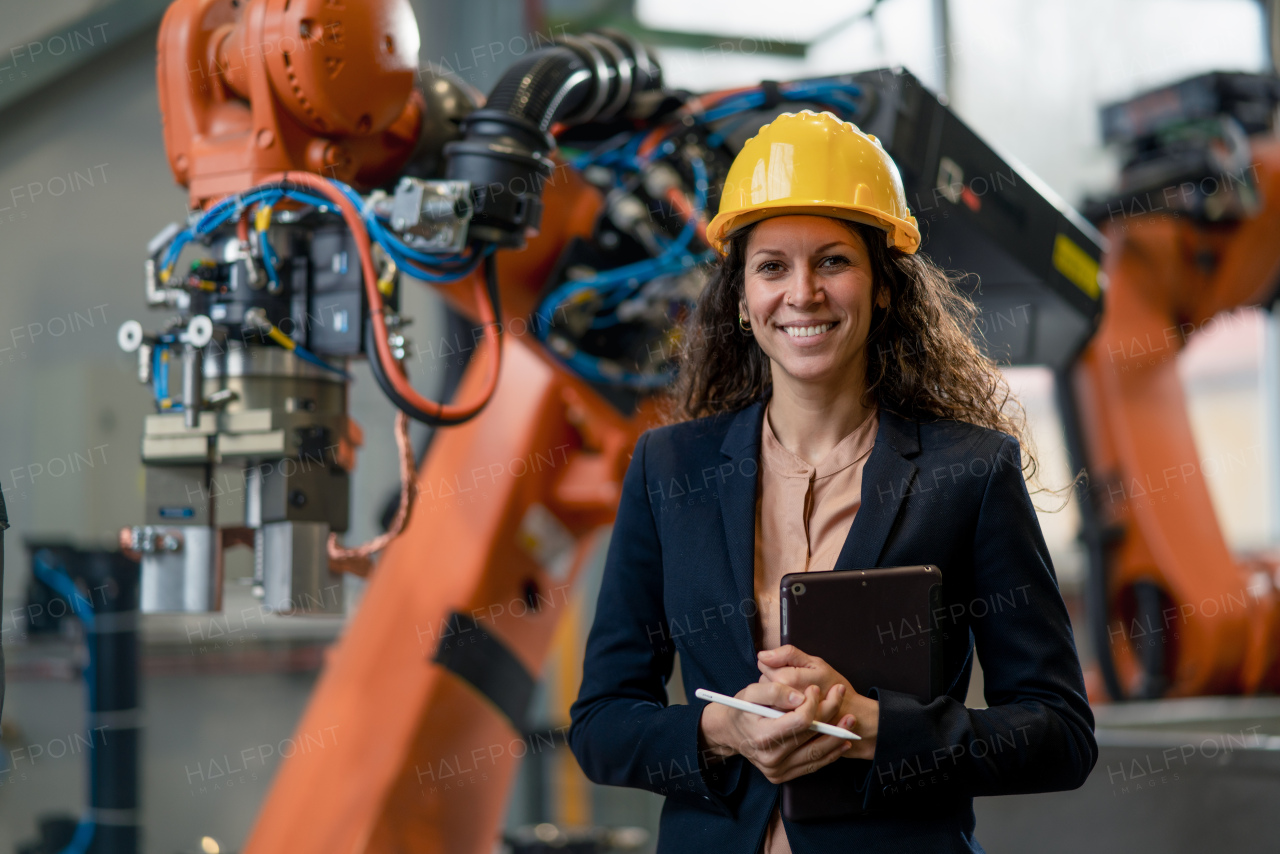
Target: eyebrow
822,248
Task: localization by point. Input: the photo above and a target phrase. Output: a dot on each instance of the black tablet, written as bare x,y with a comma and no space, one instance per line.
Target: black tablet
876,628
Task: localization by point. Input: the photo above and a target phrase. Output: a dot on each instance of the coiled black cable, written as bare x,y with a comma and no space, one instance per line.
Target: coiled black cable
503,152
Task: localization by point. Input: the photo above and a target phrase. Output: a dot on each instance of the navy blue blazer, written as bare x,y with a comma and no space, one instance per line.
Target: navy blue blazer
679,577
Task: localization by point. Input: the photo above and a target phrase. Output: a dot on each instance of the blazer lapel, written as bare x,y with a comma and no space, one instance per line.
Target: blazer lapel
888,476
738,510
886,479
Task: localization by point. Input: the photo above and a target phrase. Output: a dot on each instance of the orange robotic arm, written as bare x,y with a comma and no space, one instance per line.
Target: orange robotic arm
1184,616
425,695
505,507
423,703
249,89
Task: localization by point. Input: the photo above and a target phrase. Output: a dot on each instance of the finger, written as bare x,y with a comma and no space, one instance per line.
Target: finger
847,722
855,749
785,752
774,750
816,754
784,675
773,738
796,668
805,757
773,694
777,752
783,656
830,705
806,739
796,677
794,725
765,667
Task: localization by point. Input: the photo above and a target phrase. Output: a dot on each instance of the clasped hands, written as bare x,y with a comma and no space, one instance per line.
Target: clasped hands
809,690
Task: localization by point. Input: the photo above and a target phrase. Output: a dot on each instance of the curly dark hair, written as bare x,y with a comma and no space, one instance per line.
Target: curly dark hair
923,362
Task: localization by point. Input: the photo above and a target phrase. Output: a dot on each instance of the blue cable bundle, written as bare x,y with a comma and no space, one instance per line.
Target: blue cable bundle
621,282
420,265
621,154
447,268
62,584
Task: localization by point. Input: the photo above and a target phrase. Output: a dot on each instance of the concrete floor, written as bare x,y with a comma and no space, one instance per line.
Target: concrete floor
197,728
213,686
193,724
1184,776
1199,805
1181,776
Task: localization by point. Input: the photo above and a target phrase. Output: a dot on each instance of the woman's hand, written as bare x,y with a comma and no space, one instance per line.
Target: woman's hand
782,748
792,668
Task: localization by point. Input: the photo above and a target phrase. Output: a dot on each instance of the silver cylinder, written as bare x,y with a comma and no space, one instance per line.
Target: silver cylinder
181,568
295,565
192,381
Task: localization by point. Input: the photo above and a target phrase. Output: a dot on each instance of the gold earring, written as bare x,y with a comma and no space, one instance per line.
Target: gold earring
742,321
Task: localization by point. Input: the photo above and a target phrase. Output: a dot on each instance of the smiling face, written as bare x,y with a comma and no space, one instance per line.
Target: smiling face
807,292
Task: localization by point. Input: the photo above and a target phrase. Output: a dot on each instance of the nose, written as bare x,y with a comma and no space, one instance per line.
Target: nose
803,290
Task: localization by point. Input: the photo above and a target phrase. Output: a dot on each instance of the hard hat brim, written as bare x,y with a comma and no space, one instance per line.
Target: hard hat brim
901,234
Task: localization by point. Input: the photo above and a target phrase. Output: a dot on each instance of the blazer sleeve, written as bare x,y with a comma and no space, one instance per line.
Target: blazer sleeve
1037,733
623,731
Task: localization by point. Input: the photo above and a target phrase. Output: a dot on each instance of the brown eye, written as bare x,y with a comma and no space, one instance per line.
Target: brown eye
840,260
769,267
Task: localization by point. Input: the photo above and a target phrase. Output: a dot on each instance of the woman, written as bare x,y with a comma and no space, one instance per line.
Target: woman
847,422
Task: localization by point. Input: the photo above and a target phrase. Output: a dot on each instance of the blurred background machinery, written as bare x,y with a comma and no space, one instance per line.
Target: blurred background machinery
1192,235
335,172
579,147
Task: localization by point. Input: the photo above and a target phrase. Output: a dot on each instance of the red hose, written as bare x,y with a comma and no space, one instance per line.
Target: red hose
393,370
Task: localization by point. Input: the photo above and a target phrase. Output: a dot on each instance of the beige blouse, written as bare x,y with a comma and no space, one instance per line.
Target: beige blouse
803,515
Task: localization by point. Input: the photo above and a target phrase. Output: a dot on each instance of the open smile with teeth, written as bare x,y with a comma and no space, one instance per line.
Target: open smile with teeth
807,331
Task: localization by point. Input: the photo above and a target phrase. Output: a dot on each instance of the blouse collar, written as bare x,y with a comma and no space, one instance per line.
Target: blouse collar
849,450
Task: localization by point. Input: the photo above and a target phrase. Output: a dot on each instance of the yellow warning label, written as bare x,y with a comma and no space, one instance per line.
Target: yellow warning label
1076,264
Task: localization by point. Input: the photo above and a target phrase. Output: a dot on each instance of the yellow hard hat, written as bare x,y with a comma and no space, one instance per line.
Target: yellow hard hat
814,163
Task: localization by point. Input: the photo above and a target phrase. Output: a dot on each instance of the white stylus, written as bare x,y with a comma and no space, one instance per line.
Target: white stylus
767,712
